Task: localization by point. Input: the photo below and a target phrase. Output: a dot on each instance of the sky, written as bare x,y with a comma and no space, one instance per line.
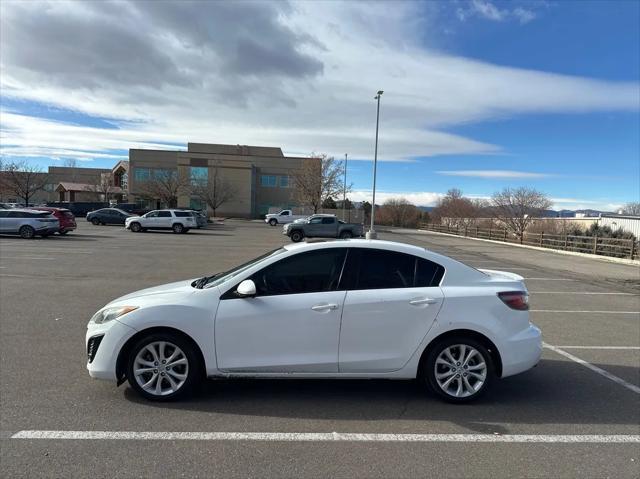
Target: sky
478,95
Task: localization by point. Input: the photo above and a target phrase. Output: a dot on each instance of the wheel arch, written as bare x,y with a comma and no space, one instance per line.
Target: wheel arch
486,342
121,362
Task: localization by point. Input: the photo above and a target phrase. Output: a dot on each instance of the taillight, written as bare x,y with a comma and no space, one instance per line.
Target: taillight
515,299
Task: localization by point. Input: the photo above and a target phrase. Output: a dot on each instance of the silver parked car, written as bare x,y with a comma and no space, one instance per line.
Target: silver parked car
28,223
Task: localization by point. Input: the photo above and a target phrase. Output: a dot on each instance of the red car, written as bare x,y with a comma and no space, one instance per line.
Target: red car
66,218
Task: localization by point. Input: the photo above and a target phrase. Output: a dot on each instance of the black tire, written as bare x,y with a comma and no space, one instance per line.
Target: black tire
297,236
95,221
428,369
273,222
27,232
346,235
193,368
186,230
62,233
178,228
135,227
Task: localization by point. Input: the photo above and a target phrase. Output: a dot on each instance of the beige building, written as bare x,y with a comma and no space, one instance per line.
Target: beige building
260,177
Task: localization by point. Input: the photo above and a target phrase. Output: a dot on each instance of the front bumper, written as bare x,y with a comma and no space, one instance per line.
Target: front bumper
522,351
114,336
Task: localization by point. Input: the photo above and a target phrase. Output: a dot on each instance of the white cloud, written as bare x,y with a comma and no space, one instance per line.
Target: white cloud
493,174
300,76
487,10
418,198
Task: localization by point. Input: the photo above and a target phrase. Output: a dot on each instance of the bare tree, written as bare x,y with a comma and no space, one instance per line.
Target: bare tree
454,210
320,178
70,163
22,179
399,212
215,191
632,209
102,186
518,207
165,186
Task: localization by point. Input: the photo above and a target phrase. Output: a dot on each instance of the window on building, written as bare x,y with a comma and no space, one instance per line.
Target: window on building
141,174
160,173
269,181
199,175
285,182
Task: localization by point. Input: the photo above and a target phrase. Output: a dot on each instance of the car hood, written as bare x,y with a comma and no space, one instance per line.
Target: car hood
177,288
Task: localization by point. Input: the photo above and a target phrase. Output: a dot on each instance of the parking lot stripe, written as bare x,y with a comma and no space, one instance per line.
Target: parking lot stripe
325,437
582,292
550,279
593,368
599,347
581,311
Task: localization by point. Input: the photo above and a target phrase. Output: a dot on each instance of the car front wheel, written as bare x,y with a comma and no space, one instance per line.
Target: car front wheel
346,235
135,227
458,369
95,221
163,366
297,236
178,228
273,221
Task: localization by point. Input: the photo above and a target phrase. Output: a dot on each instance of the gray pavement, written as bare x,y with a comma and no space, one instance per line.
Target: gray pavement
50,287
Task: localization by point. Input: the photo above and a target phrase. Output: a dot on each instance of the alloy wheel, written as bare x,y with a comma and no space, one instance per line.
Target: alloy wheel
460,370
160,368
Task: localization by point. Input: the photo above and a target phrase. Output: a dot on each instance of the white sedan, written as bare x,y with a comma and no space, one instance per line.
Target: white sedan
343,309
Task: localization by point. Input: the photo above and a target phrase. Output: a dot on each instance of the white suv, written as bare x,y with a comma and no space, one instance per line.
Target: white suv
179,221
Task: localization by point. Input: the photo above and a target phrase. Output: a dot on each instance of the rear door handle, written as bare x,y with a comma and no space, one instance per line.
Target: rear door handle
324,307
419,301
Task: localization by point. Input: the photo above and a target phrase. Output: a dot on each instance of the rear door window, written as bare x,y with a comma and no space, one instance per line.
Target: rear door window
164,214
368,268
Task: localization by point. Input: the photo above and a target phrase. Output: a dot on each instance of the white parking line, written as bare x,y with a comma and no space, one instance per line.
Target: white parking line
580,312
595,369
583,293
599,347
326,437
45,258
550,279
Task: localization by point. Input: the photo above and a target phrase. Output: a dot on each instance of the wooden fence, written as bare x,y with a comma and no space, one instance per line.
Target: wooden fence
615,247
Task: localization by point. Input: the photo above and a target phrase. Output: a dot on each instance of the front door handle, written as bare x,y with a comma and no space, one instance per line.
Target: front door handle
419,301
324,307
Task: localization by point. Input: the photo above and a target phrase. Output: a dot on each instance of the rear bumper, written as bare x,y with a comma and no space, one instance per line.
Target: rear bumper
521,352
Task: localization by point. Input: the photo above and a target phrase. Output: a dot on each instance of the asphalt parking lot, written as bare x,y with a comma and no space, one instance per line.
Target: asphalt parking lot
575,415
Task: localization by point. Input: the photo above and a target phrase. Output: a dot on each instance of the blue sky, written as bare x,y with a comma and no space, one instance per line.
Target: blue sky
479,95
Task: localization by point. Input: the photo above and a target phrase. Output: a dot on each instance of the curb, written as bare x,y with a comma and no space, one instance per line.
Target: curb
608,259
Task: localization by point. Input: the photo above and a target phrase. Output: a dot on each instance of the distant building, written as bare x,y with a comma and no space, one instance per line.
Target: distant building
261,177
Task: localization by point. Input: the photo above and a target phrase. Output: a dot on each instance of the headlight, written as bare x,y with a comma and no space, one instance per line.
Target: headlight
107,314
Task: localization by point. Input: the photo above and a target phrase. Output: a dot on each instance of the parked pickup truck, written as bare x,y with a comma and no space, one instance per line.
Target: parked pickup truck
321,226
284,217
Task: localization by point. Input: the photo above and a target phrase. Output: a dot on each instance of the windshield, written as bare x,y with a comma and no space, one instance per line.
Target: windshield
220,278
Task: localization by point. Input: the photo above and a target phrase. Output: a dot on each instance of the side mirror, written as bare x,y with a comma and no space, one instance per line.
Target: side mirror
246,289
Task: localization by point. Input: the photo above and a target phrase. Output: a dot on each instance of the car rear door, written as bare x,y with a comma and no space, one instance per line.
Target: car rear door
164,219
392,301
292,325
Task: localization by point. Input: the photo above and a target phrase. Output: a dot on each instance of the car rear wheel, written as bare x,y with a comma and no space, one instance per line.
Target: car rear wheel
458,369
297,236
273,221
178,228
346,235
27,232
95,221
163,367
135,227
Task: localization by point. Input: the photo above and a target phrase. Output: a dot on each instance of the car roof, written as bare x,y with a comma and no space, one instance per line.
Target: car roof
28,210
358,243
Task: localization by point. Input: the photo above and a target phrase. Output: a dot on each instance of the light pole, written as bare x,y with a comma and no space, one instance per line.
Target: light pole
371,234
344,191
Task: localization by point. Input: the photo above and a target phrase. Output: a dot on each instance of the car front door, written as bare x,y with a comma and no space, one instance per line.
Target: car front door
292,325
164,219
314,228
150,220
392,302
